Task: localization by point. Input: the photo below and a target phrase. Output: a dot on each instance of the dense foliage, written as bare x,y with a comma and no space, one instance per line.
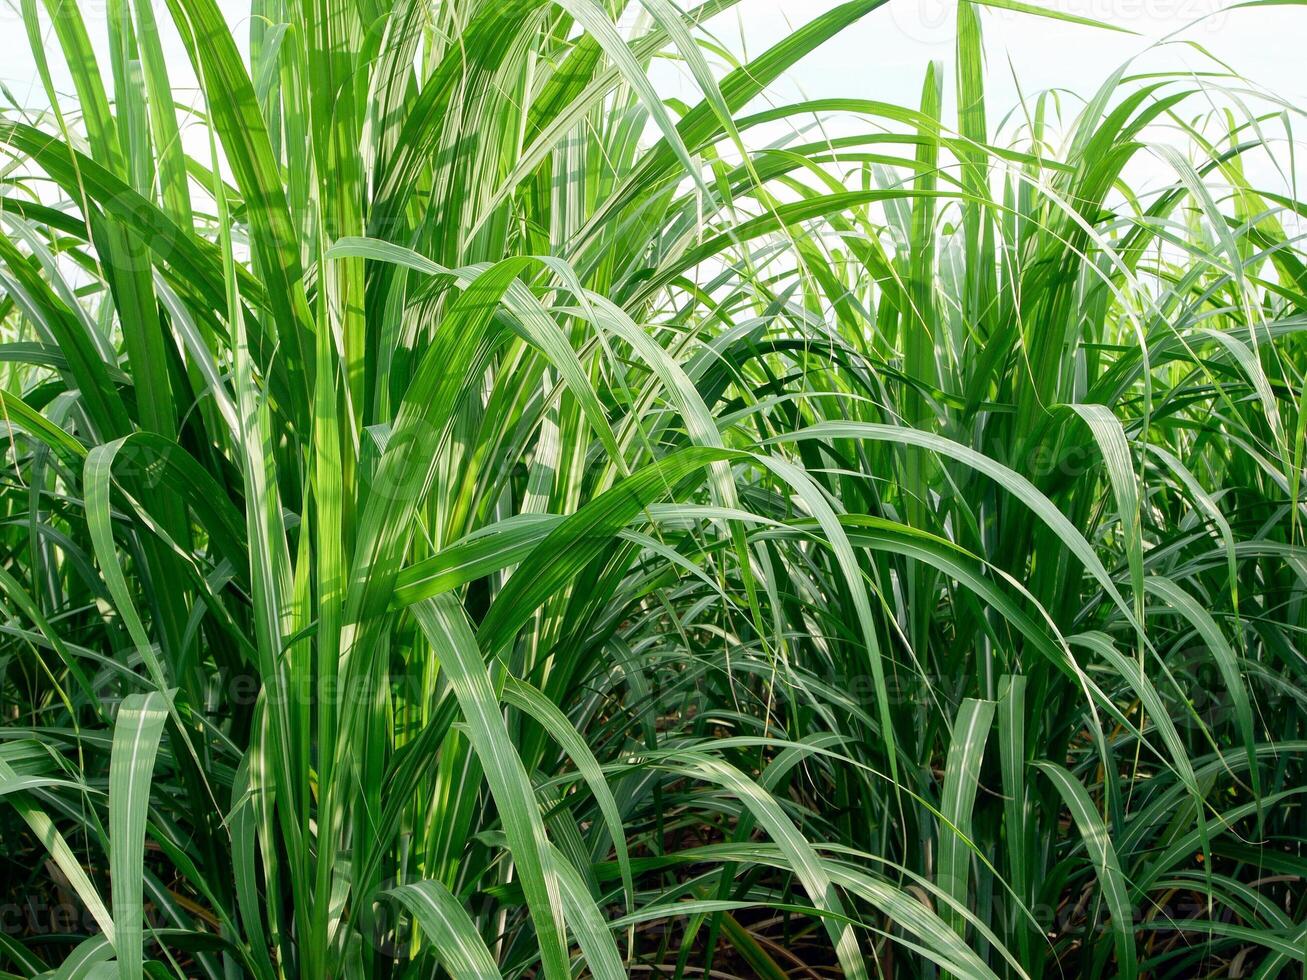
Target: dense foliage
466,516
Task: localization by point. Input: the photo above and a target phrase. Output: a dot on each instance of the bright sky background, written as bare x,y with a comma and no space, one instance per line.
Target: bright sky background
885,54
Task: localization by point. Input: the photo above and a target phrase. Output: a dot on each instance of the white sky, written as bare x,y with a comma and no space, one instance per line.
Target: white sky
884,55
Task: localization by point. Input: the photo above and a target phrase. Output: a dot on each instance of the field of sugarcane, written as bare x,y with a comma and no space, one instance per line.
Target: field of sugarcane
468,514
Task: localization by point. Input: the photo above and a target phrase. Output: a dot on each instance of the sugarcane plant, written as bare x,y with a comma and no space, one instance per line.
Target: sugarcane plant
468,514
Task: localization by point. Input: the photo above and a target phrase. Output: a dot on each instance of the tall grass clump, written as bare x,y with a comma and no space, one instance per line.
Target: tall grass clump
465,515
